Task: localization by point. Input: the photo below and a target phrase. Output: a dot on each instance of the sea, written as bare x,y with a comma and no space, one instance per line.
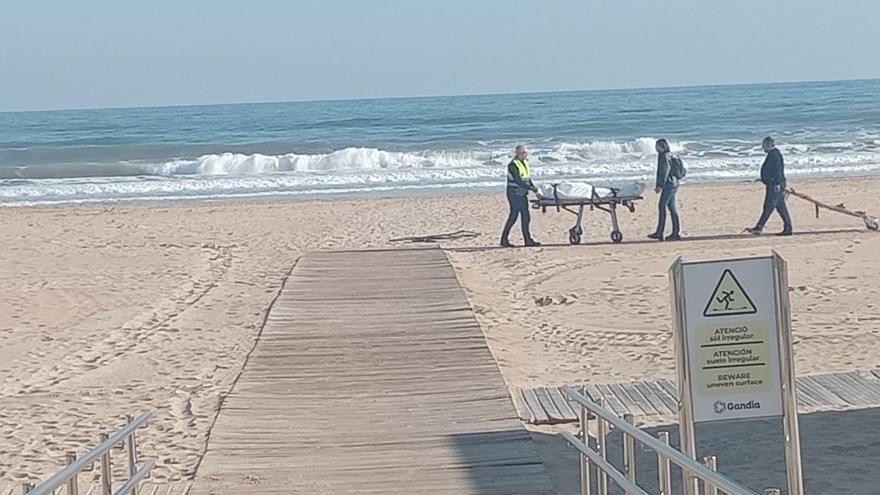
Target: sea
432,144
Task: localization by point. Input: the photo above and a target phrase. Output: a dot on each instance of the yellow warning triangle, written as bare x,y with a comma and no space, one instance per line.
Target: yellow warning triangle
729,298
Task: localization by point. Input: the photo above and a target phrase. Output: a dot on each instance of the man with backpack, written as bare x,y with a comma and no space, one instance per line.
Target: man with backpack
670,170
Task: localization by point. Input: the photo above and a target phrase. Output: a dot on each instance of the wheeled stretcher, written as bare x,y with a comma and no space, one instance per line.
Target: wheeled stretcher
576,197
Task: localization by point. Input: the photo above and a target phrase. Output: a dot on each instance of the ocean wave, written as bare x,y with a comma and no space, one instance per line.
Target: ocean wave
401,179
347,159
342,160
370,169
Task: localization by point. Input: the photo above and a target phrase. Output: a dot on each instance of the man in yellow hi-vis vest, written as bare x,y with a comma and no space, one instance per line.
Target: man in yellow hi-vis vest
519,183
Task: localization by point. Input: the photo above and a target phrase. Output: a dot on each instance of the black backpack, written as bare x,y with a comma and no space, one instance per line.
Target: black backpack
676,167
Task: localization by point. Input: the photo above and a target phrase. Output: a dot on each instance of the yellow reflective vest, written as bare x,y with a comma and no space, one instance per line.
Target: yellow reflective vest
524,172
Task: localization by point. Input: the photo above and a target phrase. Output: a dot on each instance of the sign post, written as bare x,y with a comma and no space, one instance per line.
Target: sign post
792,431
733,349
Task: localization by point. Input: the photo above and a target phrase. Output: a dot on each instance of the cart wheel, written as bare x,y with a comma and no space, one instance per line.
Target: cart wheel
616,236
574,236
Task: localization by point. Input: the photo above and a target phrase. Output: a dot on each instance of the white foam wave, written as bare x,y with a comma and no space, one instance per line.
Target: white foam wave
366,169
368,159
598,153
342,160
360,181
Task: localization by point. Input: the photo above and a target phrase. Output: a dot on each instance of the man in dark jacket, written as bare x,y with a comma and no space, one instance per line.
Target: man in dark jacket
773,177
519,183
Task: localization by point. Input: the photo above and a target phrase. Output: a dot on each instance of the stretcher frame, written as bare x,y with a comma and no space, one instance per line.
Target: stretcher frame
871,222
607,204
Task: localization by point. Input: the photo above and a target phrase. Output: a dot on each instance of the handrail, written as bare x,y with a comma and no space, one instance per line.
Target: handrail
686,463
136,478
618,477
71,470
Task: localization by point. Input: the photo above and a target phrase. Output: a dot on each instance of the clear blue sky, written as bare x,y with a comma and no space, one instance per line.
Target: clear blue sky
99,53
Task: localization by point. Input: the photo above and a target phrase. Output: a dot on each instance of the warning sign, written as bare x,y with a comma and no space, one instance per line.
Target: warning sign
732,363
729,298
734,357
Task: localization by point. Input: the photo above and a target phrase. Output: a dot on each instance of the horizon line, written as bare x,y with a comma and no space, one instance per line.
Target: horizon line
430,96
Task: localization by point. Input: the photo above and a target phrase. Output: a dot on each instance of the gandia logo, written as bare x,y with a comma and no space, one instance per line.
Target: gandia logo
721,406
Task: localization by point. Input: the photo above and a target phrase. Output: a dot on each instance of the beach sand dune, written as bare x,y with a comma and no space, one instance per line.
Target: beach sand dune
109,309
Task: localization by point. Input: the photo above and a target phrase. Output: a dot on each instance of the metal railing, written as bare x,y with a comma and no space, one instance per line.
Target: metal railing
67,477
713,482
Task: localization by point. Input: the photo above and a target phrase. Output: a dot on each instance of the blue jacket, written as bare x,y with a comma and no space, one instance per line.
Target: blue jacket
664,172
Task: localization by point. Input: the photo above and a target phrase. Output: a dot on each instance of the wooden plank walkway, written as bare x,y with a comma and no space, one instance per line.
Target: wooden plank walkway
371,376
858,389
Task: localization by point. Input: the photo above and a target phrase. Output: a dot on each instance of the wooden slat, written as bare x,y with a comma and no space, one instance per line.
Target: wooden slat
670,389
669,401
639,398
611,400
593,392
519,403
806,398
629,404
651,396
869,390
818,390
531,397
869,376
838,388
562,404
372,376
869,379
553,413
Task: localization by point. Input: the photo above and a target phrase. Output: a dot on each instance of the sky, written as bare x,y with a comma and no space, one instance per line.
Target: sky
108,53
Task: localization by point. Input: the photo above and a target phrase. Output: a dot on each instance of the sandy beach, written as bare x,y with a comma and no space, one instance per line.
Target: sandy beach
109,309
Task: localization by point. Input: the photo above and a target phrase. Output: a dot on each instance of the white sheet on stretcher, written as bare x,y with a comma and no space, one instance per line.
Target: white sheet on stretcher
576,191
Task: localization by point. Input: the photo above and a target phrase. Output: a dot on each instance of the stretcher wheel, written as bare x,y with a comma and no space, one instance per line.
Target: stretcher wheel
574,236
616,236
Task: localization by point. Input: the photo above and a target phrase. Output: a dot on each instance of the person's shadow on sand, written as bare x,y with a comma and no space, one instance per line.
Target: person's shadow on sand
696,238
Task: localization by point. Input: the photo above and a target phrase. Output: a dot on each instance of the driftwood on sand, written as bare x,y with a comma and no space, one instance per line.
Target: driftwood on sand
457,235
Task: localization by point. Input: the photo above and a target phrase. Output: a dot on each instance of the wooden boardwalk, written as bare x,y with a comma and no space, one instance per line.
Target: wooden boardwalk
371,376
858,389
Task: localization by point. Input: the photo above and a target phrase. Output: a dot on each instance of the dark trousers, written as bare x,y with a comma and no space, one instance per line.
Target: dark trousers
519,207
774,199
668,202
